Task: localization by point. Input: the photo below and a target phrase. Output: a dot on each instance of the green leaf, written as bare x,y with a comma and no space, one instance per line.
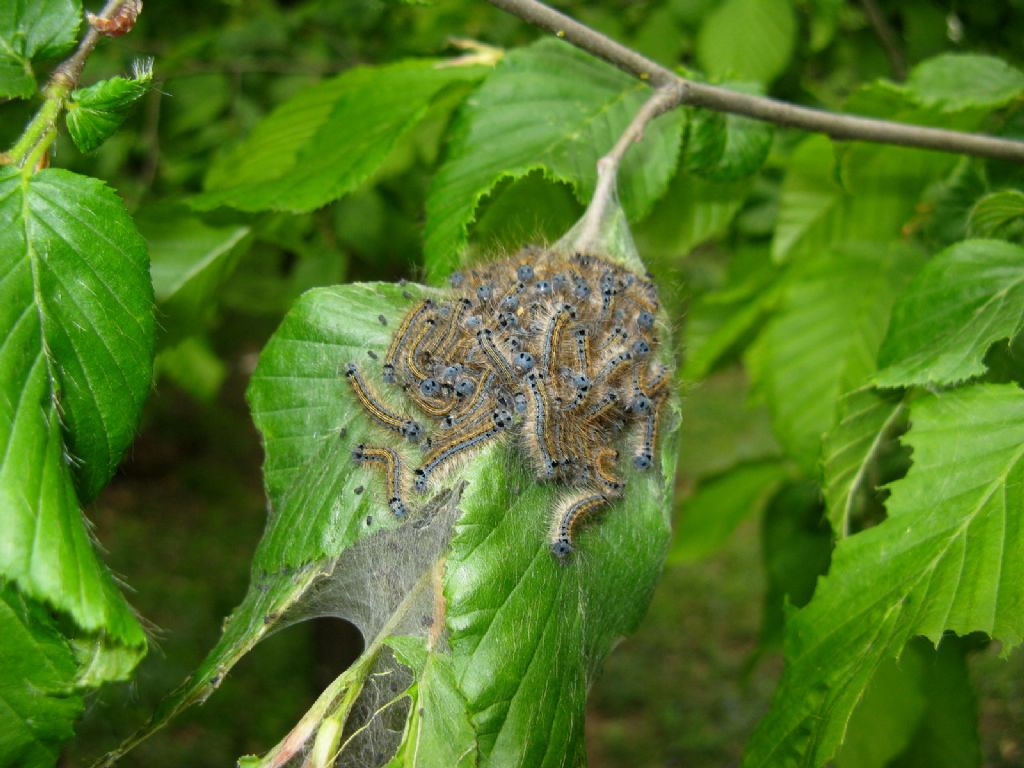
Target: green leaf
823,340
811,203
869,196
693,211
499,557
998,215
527,635
310,422
37,703
796,546
867,419
438,732
547,106
719,322
31,30
956,81
191,261
723,429
532,204
948,204
857,192
194,367
518,620
824,22
327,140
965,299
947,734
96,112
76,317
950,558
726,147
917,711
748,39
711,515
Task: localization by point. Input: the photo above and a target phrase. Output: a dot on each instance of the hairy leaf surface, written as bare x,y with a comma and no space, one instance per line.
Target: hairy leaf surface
965,299
950,557
551,107
76,320
95,113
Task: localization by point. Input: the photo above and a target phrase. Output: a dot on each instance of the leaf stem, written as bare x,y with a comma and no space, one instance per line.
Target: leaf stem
664,98
41,130
837,126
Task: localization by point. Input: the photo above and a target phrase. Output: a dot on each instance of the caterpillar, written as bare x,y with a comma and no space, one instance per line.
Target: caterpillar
499,421
398,341
408,428
567,517
393,472
560,351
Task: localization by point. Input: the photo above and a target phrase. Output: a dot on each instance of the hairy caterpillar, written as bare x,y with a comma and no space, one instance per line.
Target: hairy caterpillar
555,351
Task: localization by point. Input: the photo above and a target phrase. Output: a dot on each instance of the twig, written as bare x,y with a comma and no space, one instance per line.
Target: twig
886,36
837,126
70,70
41,130
664,98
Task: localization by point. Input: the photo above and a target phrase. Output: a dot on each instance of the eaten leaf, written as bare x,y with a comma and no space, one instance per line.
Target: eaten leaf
965,299
950,558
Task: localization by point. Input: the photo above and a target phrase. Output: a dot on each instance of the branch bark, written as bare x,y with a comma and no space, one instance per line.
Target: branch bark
837,126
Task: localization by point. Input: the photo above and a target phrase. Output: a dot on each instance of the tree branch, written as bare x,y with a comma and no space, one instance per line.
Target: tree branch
837,126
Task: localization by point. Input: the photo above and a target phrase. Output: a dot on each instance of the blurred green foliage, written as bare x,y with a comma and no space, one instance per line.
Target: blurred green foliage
780,257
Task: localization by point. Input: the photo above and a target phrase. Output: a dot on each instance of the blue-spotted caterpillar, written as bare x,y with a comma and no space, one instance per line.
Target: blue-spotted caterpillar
554,353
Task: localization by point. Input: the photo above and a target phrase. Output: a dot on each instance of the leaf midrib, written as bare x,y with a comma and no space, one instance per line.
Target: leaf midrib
858,477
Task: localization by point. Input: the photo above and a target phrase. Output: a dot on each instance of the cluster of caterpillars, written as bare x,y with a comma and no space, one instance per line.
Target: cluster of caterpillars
555,353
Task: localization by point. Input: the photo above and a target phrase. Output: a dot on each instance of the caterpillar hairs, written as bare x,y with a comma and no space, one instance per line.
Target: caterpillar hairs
551,352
